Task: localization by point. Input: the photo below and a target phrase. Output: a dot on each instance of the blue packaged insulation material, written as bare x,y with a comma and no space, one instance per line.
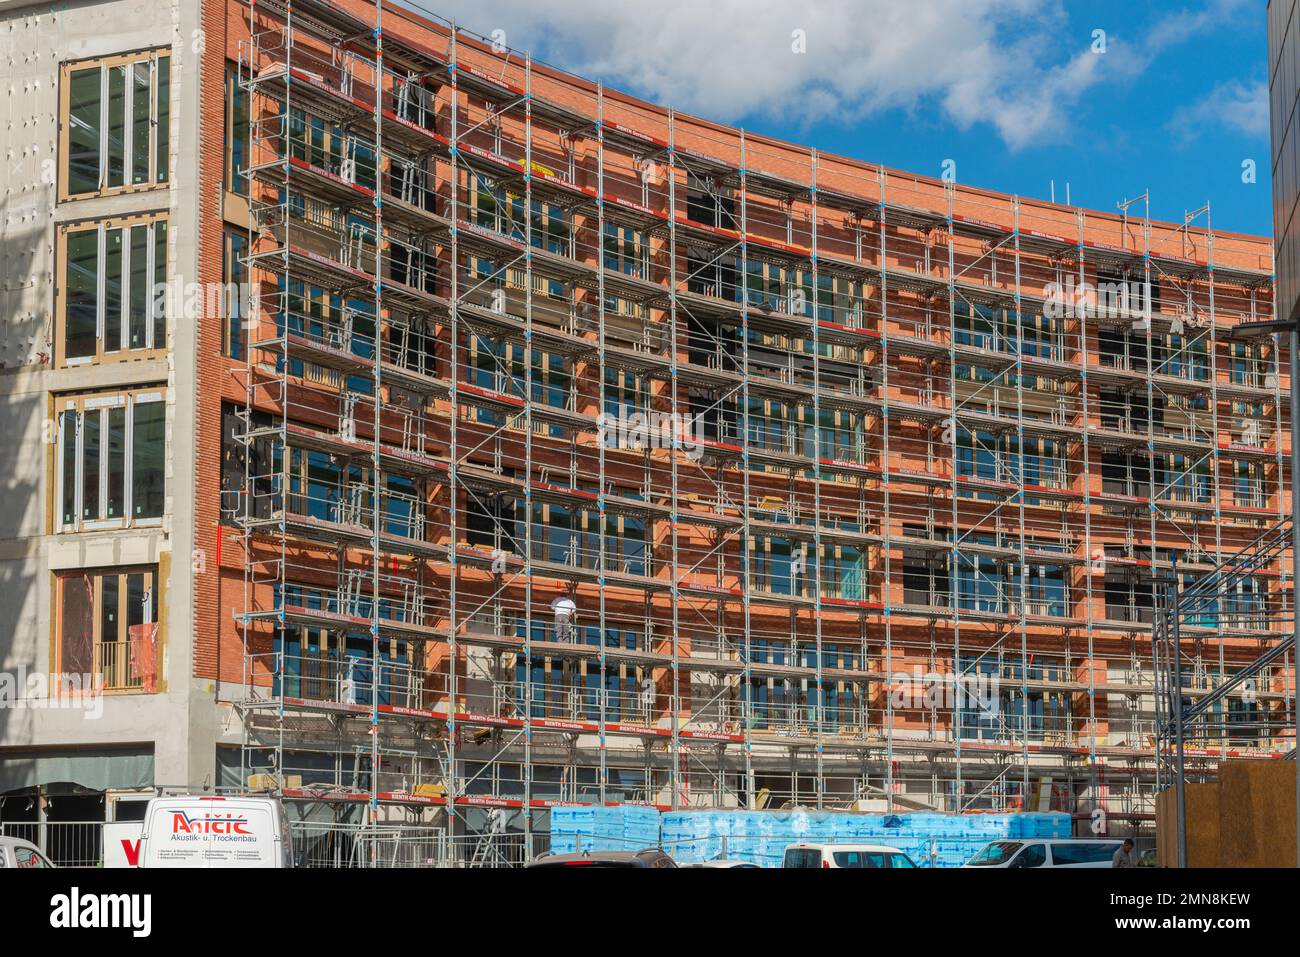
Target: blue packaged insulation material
931,839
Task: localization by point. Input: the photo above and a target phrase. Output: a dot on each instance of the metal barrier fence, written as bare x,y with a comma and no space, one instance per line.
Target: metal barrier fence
359,845
81,844
65,843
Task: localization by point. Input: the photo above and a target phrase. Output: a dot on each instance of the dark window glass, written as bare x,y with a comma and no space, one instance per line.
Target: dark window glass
116,462
116,126
802,857
237,104
1035,855
139,294
113,284
140,115
108,608
90,466
156,298
82,293
147,460
1084,852
164,107
68,433
83,131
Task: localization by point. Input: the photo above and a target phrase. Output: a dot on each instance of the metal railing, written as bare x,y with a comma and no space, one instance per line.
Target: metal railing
81,844
65,843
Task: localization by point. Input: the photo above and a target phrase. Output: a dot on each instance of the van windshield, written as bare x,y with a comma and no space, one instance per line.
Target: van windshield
998,852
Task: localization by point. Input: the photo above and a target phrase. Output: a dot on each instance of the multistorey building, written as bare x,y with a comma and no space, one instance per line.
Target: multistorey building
567,448
1283,87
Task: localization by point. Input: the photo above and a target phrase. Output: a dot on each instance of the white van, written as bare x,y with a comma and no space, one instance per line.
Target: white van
1032,852
194,831
845,855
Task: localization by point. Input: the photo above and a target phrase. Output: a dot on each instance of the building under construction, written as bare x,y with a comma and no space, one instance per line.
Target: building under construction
597,453
570,449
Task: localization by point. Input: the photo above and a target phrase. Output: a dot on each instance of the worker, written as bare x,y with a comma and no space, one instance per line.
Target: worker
1124,856
565,611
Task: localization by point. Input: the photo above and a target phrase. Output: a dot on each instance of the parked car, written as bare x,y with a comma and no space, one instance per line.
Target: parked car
1046,853
214,832
845,855
649,857
19,854
723,862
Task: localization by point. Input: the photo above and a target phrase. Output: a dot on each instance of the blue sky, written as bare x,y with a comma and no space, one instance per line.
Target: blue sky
1168,96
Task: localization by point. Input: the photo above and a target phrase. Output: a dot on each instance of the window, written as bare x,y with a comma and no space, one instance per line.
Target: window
111,304
1125,294
489,519
235,458
710,204
999,852
777,565
1084,852
110,460
860,858
100,625
1248,484
1249,364
327,666
626,250
842,571
1128,598
236,133
803,857
1035,855
497,365
115,124
234,276
1184,479
26,857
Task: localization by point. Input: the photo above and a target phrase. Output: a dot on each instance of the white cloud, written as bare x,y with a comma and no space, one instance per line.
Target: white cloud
1233,105
1014,64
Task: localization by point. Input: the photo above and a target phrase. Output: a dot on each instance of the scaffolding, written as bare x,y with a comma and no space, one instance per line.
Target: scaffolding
593,453
1198,719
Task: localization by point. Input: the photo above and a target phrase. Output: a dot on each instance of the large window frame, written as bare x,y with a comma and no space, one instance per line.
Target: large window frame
122,291
124,98
113,600
237,145
100,481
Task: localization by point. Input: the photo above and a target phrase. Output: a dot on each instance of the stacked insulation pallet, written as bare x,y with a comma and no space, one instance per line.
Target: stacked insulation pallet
761,837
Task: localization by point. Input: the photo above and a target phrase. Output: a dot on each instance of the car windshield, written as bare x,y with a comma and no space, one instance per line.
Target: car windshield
997,853
900,860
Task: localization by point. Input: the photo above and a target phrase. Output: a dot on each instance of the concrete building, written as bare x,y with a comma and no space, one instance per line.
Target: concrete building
100,198
711,470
